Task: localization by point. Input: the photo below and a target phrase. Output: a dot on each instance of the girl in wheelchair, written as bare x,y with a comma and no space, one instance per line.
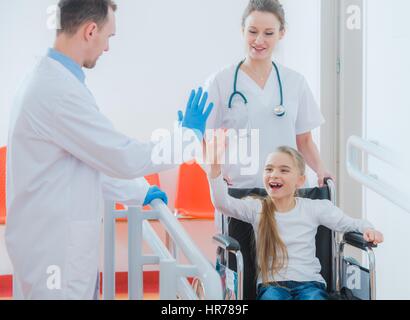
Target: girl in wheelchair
285,226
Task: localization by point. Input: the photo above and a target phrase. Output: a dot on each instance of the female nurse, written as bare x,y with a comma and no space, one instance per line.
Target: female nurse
260,94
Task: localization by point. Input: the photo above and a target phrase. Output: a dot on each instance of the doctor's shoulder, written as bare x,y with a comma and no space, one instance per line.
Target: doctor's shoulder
38,85
49,86
48,79
65,83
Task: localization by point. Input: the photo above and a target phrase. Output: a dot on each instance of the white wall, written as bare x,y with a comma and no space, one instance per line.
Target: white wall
162,50
387,113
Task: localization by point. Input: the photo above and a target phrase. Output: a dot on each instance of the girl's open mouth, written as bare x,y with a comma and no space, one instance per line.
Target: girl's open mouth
275,185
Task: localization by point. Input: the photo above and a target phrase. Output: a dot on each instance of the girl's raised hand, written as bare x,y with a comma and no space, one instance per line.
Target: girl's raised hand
214,151
214,147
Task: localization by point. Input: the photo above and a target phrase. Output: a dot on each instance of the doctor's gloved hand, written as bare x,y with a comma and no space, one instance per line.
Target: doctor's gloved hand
155,193
196,115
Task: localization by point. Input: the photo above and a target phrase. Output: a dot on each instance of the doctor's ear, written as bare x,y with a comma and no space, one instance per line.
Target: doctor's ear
90,30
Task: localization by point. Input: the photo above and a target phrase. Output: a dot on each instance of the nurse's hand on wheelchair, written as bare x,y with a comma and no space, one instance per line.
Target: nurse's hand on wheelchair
322,176
155,193
196,115
373,236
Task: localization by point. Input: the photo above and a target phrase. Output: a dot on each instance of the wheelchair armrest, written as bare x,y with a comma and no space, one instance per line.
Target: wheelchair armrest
227,243
356,240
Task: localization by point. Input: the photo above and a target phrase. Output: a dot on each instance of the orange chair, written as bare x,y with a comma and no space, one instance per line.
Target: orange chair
3,185
193,199
153,180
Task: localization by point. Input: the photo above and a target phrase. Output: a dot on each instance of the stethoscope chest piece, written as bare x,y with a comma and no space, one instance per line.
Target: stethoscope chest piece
280,111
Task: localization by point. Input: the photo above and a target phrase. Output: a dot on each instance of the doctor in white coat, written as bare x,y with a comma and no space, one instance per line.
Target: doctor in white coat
261,95
65,157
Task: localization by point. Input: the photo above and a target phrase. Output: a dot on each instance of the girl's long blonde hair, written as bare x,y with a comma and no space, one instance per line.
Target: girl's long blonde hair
271,251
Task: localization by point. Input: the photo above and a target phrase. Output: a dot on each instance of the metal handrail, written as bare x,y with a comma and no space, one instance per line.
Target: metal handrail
370,181
173,282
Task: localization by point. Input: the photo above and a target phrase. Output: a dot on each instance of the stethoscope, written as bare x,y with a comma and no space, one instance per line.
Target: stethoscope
278,110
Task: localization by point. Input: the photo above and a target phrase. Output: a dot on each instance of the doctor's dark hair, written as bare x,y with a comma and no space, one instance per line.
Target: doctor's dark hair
74,13
270,6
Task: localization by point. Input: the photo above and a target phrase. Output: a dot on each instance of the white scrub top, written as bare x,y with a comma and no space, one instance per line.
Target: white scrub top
64,157
302,116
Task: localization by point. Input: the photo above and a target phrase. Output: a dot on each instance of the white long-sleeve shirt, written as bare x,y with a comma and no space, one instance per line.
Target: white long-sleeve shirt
297,228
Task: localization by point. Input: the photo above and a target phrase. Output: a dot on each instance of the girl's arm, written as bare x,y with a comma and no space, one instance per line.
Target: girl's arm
333,218
241,209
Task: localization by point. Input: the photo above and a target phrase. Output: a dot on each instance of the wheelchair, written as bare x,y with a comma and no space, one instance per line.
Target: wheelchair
346,278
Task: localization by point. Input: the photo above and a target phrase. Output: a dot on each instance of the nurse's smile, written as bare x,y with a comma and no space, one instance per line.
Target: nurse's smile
258,49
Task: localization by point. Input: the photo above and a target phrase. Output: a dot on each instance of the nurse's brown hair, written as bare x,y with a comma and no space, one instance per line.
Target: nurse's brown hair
271,6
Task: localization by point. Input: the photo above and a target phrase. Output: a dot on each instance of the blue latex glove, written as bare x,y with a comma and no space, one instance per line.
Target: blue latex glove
155,193
195,115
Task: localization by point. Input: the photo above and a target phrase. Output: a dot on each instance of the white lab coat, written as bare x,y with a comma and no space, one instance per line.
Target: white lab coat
63,158
302,115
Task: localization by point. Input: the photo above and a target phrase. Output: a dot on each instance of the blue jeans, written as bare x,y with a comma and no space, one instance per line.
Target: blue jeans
292,290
